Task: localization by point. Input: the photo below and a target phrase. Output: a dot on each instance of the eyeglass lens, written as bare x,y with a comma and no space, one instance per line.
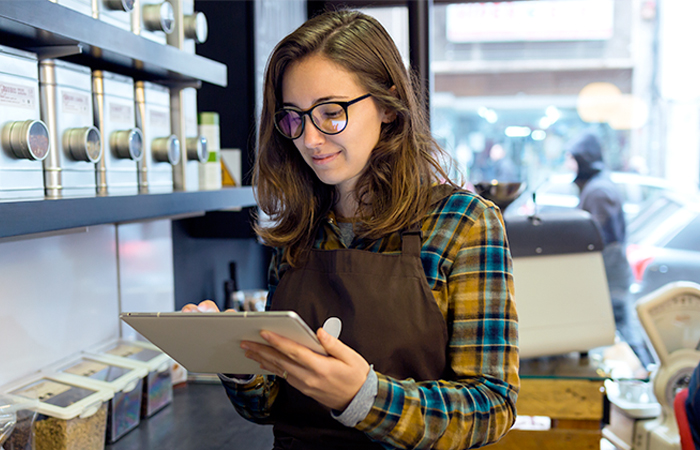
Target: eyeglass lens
329,118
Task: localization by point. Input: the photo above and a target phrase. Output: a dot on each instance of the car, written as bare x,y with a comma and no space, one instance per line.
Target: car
559,192
663,243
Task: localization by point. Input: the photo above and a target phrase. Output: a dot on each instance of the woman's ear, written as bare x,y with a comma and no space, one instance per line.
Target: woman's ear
390,114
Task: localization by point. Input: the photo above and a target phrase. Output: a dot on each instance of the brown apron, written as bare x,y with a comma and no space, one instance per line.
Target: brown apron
389,316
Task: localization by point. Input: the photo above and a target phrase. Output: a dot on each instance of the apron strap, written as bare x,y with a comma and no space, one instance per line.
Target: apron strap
411,240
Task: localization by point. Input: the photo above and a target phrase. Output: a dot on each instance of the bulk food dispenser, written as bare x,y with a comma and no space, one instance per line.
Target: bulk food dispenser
66,106
24,138
122,378
115,116
161,147
158,384
71,415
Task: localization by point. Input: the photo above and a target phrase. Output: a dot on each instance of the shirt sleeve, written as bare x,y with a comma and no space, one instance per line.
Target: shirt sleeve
253,400
476,406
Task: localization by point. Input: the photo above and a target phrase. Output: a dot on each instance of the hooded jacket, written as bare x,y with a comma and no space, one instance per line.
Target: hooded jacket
599,195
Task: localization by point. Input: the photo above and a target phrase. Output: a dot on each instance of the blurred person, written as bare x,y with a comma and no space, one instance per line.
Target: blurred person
601,198
499,166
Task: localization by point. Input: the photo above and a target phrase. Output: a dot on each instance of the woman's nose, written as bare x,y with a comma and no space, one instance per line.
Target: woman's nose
312,137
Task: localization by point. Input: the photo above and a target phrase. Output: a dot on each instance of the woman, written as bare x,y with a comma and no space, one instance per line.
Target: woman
368,234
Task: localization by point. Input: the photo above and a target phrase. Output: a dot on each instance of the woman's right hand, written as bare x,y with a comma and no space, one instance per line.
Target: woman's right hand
205,306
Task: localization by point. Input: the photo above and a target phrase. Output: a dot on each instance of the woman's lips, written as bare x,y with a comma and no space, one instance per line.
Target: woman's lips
324,159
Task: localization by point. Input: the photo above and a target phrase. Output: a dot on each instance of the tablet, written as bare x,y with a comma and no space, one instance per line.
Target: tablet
210,342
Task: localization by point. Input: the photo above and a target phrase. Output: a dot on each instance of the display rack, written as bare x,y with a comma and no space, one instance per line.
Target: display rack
41,216
54,31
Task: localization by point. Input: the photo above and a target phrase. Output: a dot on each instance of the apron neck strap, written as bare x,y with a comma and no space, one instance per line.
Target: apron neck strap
411,240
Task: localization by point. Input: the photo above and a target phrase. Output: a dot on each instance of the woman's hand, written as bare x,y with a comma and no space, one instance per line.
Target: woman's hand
331,380
205,306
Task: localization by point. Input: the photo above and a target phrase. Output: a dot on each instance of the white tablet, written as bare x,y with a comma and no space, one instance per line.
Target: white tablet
210,342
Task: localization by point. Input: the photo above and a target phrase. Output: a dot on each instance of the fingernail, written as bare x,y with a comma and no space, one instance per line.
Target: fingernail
265,335
245,347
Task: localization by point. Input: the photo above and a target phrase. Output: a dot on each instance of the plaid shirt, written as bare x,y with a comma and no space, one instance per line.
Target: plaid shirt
468,266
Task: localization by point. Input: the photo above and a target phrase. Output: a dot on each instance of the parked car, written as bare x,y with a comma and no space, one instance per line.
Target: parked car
664,243
559,192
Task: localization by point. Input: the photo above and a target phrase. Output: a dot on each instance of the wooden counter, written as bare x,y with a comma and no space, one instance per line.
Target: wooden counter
569,391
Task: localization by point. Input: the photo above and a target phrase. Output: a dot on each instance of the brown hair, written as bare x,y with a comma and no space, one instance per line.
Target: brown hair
394,190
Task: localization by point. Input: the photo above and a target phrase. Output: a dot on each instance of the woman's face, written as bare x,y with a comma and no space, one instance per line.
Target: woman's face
337,160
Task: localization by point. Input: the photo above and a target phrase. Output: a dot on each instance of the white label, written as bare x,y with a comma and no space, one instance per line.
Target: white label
16,95
75,103
44,390
86,368
118,112
159,119
125,350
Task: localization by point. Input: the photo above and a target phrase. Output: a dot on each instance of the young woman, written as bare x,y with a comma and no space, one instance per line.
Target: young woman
370,235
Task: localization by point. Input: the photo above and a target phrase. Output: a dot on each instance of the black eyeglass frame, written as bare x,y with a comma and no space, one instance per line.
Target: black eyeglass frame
308,112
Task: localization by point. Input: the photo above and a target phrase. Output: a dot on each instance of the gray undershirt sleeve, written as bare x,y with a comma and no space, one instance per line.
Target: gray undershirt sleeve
360,406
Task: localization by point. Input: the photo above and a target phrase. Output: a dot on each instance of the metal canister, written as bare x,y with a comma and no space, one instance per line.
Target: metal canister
153,19
195,151
114,12
161,147
24,138
122,142
66,107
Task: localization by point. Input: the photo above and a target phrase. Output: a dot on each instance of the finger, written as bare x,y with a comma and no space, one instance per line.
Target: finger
292,351
190,307
335,347
207,306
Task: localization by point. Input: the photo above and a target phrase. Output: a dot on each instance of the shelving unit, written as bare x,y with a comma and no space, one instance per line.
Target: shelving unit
54,31
41,216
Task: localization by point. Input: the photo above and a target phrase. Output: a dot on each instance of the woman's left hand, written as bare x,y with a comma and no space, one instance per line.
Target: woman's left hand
331,380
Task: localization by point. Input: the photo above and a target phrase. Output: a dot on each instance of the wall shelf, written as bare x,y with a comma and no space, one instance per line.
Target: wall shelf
27,217
39,25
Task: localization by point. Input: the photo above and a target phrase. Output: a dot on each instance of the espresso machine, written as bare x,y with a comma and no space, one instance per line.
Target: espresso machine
560,283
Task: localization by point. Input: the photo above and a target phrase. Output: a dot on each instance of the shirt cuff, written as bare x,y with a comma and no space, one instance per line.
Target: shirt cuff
361,404
228,378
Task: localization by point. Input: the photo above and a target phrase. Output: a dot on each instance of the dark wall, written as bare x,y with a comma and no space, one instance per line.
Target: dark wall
204,246
231,42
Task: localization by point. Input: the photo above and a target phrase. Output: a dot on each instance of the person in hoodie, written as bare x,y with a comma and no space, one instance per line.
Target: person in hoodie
602,199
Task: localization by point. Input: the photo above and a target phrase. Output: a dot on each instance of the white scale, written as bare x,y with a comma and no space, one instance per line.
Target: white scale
671,318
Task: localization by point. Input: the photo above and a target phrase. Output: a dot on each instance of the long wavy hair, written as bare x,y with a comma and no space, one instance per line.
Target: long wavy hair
394,190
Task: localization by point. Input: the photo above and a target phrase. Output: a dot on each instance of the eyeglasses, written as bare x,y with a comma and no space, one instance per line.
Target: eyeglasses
328,118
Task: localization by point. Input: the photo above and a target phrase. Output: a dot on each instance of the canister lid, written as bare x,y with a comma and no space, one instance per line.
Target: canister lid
18,53
112,76
141,353
94,370
208,118
60,396
65,65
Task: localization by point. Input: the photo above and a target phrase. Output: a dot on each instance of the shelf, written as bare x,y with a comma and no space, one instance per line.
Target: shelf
42,26
42,216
